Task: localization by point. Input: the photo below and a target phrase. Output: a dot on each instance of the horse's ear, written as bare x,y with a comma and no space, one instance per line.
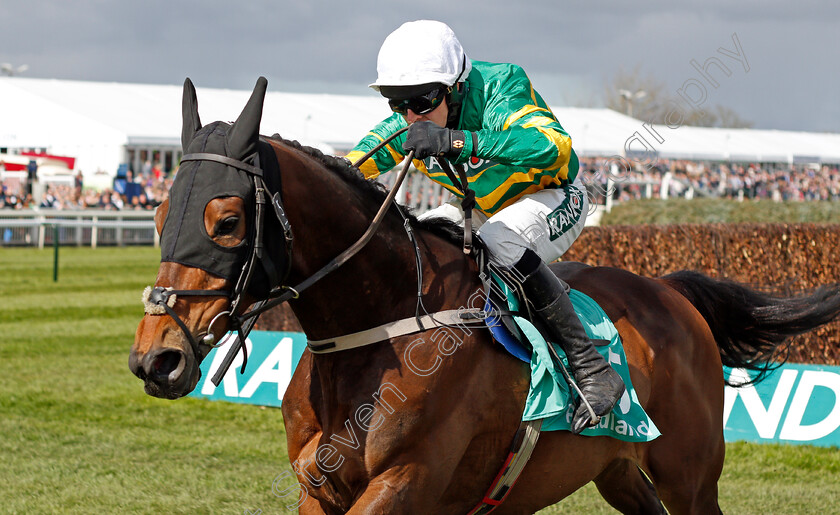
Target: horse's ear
189,110
242,138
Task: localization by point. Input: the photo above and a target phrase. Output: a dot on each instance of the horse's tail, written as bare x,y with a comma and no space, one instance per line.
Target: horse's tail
752,328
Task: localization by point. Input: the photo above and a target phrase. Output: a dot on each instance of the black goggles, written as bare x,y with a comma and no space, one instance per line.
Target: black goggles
422,104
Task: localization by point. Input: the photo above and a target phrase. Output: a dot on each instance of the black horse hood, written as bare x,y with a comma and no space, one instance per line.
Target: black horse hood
184,238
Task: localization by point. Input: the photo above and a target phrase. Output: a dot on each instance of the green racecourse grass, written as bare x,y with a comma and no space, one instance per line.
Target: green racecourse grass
78,435
710,210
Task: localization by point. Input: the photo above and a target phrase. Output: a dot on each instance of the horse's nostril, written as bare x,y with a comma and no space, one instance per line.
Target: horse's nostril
166,362
135,364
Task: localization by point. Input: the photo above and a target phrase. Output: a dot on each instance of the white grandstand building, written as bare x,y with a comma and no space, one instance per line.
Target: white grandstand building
108,125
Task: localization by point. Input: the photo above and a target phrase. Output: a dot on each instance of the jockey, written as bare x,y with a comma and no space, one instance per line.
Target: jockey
530,201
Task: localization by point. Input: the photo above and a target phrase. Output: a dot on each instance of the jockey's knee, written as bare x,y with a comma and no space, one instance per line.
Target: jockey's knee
505,246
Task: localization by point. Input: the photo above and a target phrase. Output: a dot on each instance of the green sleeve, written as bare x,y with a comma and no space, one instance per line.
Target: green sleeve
388,156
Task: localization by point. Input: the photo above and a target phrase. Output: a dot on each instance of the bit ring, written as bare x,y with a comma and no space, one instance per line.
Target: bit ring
209,338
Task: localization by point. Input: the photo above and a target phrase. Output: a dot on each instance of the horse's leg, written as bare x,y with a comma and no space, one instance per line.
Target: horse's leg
627,489
385,494
685,484
404,489
311,506
686,473
561,464
303,433
686,461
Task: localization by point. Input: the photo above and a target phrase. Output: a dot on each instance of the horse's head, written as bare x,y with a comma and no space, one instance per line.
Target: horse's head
212,258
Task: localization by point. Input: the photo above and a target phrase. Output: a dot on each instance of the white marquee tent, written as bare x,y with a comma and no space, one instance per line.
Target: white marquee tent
104,125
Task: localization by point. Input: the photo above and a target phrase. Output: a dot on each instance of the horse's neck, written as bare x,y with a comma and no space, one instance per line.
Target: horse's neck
379,284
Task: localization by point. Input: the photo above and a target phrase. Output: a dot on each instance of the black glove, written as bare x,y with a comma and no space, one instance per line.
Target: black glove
429,139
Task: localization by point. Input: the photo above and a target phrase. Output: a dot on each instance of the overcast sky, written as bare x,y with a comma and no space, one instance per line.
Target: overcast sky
570,49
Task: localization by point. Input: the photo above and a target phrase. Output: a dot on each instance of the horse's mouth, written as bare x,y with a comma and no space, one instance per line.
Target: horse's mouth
156,390
171,392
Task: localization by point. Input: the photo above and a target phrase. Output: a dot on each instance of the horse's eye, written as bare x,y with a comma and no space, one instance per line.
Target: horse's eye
227,226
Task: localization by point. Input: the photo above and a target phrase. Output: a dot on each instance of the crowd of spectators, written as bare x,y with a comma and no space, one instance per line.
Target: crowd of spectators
784,185
639,180
635,180
145,192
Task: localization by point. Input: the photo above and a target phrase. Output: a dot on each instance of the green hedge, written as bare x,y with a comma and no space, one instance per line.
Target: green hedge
704,211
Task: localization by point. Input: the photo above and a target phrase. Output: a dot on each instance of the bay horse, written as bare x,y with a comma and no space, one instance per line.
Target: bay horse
416,424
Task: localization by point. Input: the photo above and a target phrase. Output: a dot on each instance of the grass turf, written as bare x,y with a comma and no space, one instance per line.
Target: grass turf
79,435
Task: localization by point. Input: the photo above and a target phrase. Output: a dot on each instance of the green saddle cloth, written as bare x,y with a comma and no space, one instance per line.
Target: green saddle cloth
549,395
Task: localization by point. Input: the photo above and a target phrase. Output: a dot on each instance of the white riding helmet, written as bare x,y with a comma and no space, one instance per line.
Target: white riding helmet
421,52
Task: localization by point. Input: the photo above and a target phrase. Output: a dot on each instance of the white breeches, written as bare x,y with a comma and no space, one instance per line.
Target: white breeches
547,222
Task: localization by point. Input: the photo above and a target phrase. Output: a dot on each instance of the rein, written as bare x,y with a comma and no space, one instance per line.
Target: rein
294,292
247,320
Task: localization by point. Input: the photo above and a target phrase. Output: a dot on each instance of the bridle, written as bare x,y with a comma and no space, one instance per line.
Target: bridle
163,299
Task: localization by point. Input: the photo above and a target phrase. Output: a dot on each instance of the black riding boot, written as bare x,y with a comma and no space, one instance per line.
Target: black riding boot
601,385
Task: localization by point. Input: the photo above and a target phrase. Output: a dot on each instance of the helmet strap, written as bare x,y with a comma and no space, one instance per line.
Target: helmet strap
456,96
453,101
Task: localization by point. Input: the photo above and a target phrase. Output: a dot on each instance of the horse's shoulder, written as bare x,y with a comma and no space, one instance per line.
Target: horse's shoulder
299,402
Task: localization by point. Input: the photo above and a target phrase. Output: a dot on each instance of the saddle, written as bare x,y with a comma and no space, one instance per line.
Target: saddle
505,302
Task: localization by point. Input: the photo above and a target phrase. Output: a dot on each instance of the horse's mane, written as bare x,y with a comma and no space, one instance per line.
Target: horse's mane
442,227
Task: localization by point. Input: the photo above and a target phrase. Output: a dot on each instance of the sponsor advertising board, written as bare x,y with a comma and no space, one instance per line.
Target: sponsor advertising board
797,404
272,357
